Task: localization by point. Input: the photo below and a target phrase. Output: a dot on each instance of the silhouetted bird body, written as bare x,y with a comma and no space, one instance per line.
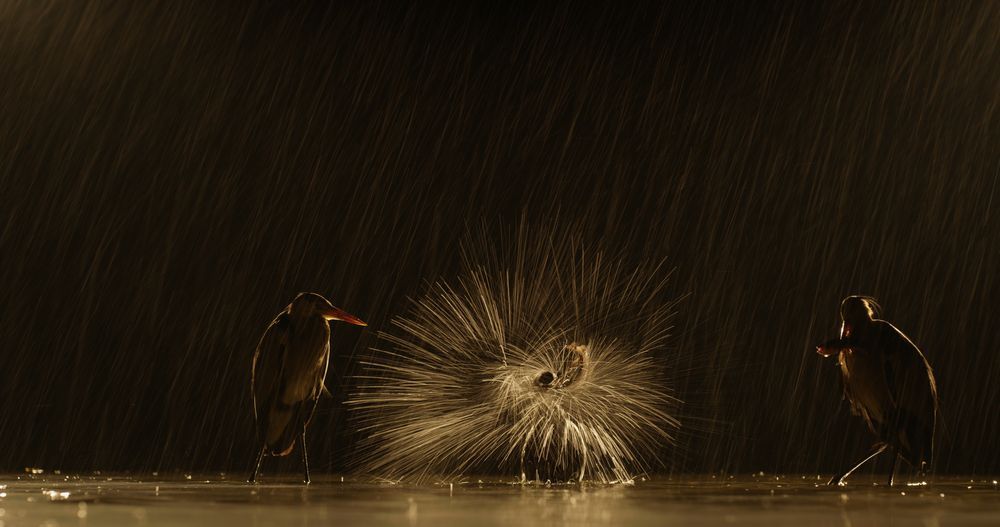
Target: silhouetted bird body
289,368
888,382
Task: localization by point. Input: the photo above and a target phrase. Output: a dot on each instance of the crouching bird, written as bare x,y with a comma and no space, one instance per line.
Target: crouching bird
888,382
289,368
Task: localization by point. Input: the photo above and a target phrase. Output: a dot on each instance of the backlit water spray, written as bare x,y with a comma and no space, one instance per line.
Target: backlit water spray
543,362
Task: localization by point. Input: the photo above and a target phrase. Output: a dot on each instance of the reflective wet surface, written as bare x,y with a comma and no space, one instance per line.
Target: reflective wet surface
57,499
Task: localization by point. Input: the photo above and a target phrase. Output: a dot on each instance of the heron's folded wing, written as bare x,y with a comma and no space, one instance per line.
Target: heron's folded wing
268,362
907,372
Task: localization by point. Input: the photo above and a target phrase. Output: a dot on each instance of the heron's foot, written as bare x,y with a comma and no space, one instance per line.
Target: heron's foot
837,480
256,467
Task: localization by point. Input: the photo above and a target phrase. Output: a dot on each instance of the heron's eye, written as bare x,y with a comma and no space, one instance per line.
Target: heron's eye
545,379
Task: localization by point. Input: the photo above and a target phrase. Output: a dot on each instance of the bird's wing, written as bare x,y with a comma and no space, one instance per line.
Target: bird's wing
911,383
907,373
268,363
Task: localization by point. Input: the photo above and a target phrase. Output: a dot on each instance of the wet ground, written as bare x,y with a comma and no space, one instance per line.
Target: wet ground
50,499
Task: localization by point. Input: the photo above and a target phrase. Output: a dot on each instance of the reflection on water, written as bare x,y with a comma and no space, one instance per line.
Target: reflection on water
55,499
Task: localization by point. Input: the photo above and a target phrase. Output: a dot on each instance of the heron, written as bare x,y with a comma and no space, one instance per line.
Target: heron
888,382
288,372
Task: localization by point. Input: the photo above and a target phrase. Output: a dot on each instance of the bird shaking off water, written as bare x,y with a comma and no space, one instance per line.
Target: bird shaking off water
888,383
288,372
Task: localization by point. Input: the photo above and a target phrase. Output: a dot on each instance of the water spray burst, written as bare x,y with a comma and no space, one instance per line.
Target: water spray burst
545,362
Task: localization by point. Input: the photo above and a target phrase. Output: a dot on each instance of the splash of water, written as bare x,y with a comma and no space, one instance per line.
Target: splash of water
542,361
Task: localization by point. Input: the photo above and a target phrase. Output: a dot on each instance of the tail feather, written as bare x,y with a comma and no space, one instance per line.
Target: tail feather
915,438
281,432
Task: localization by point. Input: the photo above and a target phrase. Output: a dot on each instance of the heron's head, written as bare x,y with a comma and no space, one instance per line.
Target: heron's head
310,304
857,311
570,366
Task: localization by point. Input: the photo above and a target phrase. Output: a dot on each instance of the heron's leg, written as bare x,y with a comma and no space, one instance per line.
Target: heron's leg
895,461
839,479
256,467
305,459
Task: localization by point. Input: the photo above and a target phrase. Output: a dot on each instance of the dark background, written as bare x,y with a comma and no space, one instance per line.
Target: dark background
172,173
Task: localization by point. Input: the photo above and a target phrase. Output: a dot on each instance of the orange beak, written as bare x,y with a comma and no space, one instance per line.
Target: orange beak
335,313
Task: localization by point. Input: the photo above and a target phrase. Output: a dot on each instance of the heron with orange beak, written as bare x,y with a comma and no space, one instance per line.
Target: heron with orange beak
888,382
289,368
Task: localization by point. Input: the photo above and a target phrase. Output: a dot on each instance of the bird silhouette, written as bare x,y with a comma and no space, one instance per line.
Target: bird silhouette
289,368
888,382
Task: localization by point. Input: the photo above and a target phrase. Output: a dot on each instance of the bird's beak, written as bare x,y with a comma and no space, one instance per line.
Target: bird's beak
335,313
